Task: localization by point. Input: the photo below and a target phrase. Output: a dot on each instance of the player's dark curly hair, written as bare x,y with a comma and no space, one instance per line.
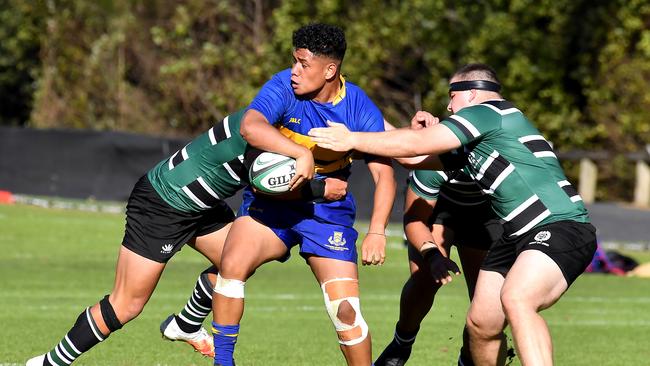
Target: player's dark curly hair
321,39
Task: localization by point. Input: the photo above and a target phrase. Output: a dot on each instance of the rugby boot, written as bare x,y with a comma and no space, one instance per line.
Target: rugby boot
201,340
36,361
394,355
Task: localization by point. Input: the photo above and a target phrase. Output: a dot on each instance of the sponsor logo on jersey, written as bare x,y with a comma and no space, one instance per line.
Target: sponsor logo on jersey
474,159
294,120
166,249
337,240
541,237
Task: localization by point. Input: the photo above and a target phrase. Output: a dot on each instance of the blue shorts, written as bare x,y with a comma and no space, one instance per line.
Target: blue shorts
321,229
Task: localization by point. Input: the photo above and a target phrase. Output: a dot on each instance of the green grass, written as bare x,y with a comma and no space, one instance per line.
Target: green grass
54,263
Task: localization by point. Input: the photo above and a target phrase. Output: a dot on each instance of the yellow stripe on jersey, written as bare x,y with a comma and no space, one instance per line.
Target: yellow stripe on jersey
326,161
341,94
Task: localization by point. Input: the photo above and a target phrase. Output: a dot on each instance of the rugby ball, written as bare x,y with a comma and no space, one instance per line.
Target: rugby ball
271,173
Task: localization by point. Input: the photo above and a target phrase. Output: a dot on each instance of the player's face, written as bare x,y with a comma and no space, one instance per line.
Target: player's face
457,101
309,72
460,99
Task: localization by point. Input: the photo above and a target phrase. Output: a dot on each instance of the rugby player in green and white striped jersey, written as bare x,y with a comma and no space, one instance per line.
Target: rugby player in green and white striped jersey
547,241
446,208
179,201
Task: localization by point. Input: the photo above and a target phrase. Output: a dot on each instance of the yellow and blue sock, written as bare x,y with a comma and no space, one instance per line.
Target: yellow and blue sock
225,337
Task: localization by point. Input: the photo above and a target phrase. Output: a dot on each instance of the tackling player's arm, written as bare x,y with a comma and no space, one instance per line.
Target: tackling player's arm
373,248
432,162
259,133
417,212
398,143
328,189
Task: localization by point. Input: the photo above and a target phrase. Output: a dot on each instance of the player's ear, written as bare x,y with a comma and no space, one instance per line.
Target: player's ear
472,95
330,70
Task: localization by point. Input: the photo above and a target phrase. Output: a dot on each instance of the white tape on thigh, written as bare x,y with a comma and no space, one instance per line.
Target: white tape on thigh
346,331
229,288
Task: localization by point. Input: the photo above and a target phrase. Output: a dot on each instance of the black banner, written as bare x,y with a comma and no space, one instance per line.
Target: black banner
77,163
85,164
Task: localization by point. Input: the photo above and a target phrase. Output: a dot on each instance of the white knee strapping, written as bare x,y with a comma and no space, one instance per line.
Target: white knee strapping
335,292
229,288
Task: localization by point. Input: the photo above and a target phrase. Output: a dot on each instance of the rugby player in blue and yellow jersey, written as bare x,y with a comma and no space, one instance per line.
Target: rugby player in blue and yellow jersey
294,101
547,241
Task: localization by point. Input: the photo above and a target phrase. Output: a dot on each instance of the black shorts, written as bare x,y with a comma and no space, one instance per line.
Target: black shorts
155,230
570,244
474,227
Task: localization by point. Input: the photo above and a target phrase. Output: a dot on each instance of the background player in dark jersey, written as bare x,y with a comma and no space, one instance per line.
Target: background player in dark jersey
445,208
547,240
179,201
309,94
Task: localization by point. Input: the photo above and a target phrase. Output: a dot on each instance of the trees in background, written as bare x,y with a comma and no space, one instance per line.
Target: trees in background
21,27
579,68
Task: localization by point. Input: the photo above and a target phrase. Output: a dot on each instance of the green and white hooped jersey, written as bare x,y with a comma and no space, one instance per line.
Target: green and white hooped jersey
516,166
453,186
208,169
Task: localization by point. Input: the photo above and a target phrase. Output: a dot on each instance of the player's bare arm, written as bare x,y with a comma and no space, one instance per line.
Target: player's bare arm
420,120
425,161
417,212
373,248
403,142
258,132
409,163
423,119
335,188
329,189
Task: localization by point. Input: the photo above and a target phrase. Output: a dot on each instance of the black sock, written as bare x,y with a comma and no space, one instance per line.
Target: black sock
198,306
463,360
403,338
83,335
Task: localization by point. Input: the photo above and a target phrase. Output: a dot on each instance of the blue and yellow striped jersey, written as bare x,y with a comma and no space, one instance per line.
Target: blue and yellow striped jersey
294,117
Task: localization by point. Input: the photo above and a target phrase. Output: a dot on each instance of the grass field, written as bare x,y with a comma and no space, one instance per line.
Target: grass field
54,263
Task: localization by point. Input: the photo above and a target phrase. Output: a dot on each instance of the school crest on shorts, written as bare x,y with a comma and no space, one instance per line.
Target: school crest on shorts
337,240
541,238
